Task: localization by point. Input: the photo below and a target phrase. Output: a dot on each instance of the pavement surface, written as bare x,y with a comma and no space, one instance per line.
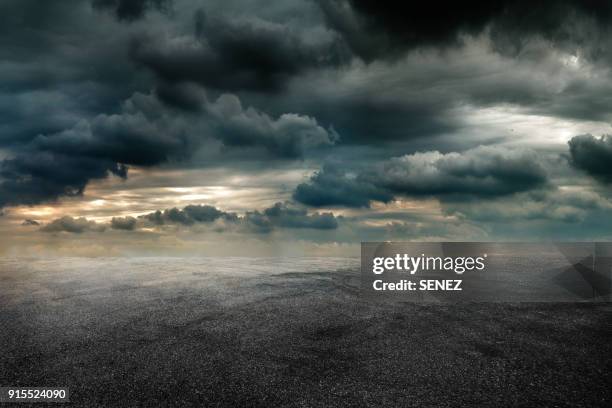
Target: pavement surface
284,332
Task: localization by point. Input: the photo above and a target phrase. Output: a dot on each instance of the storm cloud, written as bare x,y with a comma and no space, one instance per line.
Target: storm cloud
236,55
290,135
147,133
480,172
111,108
483,171
332,186
592,155
286,216
373,29
33,177
132,9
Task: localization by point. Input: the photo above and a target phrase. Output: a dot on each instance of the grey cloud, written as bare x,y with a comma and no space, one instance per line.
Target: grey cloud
55,74
481,172
571,207
147,133
84,95
130,10
123,223
286,216
592,155
72,225
332,186
30,222
183,95
63,49
189,215
283,216
365,115
280,215
115,138
572,213
257,222
394,28
206,213
33,176
428,94
290,135
236,54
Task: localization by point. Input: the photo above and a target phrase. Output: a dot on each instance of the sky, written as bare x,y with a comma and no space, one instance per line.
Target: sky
301,127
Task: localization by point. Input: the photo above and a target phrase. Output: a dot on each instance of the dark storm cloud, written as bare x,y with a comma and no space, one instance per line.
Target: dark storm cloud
592,155
479,172
332,186
235,55
147,133
90,91
72,225
251,54
428,94
55,74
182,95
363,118
130,138
285,216
290,135
373,29
65,49
29,222
55,67
34,177
53,165
130,10
65,118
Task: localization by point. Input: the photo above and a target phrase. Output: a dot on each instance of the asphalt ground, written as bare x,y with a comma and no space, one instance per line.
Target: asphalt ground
183,332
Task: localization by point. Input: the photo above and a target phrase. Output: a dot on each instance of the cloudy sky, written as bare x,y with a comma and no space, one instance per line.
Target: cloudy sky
301,127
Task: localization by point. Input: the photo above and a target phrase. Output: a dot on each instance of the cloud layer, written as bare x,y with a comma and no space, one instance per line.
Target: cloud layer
280,215
407,119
